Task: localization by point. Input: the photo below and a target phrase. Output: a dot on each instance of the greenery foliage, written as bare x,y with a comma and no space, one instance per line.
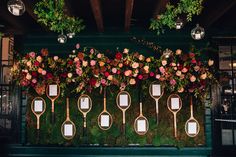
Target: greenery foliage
51,14
168,18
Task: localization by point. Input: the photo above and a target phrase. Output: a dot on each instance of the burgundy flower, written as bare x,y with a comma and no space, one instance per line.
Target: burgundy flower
49,76
36,63
70,62
118,72
106,74
92,81
34,74
191,55
118,55
193,61
140,77
64,75
151,74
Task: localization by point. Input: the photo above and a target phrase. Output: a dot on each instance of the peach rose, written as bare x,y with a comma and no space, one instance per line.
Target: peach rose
132,81
148,59
55,58
28,76
178,52
126,51
164,62
210,62
69,75
135,65
192,78
178,73
39,59
203,76
44,72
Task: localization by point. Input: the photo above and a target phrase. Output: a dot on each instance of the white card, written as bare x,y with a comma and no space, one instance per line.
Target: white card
141,125
192,127
198,36
174,103
38,105
84,103
156,90
68,130
105,120
123,100
53,90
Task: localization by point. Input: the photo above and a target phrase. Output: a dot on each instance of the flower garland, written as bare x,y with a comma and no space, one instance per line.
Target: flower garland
51,14
87,69
168,18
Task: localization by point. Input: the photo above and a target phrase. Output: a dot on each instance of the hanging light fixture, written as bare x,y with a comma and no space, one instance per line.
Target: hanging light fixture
70,35
179,23
16,7
62,38
198,32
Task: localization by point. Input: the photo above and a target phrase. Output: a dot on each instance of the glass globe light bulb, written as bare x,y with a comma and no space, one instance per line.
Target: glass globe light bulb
62,38
70,35
179,23
16,7
198,32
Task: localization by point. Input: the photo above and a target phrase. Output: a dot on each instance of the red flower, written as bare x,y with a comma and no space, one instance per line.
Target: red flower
64,75
70,62
36,63
49,76
191,55
118,72
193,61
34,74
118,55
92,81
140,77
106,74
151,74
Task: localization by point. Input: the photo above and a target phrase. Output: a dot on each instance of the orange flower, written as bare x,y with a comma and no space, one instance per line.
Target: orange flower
80,56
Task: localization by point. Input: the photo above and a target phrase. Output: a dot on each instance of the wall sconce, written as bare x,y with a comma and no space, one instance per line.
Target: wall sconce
198,32
16,7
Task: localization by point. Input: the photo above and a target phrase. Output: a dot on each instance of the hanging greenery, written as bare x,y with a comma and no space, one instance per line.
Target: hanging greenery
51,14
168,18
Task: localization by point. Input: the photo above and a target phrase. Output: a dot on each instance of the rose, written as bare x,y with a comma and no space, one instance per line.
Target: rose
178,52
184,70
77,46
164,62
146,68
118,55
151,74
203,76
84,63
210,62
69,75
55,58
34,74
114,70
180,90
39,59
40,70
34,81
178,73
76,59
158,76
141,57
193,61
92,81
32,54
80,56
128,72
49,76
126,51
120,65
70,62
97,84
132,81
106,74
29,63
110,77
173,64
148,60
44,72
28,76
103,81
91,51
79,71
196,68
36,63
92,62
182,76
162,69
99,55
172,82
118,72
140,77
192,78
101,63
135,65
191,55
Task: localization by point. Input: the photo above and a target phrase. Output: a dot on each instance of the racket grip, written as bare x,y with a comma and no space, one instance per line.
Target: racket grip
123,127
53,118
37,135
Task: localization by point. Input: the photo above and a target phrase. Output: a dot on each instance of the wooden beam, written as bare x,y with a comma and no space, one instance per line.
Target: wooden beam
160,7
128,13
97,13
210,16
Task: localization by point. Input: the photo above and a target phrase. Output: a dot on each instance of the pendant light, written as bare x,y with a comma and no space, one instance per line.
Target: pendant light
62,38
16,7
70,35
198,32
179,23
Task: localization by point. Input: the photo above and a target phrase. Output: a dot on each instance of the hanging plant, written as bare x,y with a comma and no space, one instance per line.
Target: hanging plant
168,18
51,14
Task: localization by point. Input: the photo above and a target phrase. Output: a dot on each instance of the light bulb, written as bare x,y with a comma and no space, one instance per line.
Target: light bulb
179,23
71,35
62,38
16,7
198,32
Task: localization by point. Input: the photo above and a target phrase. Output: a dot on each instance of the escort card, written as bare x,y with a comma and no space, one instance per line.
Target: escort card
105,120
84,103
68,130
156,90
174,103
38,106
141,125
192,127
123,100
53,90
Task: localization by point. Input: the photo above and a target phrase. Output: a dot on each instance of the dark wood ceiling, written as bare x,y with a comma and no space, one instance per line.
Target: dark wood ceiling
124,14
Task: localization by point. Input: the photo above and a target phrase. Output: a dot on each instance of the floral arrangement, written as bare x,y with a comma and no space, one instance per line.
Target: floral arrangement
86,69
169,17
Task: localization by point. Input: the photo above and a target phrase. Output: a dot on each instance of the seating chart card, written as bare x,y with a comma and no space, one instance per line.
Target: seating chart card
105,119
53,90
174,103
192,127
68,130
84,103
123,100
141,125
156,90
38,106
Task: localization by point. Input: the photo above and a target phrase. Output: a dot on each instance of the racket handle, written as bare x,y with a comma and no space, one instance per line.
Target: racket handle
53,118
123,127
37,135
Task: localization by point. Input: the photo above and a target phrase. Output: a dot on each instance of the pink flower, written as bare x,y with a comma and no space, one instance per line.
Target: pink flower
140,77
141,57
85,63
178,52
180,90
135,65
77,46
146,68
203,76
32,54
158,76
196,68
164,62
192,78
184,70
34,81
151,74
126,51
79,71
106,74
128,72
162,69
39,59
28,76
110,77
193,61
191,55
99,55
91,51
114,70
103,81
210,62
172,82
55,58
178,73
120,65
92,62
44,72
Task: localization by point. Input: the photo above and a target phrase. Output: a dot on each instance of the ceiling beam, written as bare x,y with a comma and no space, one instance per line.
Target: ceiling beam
210,16
128,13
97,13
160,7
